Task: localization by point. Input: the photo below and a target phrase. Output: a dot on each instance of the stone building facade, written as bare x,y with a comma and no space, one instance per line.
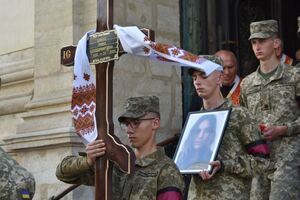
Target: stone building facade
35,94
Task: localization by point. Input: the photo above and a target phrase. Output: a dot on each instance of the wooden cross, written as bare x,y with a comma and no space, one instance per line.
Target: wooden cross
99,49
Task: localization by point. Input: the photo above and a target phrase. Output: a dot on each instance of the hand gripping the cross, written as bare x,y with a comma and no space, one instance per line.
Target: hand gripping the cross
95,149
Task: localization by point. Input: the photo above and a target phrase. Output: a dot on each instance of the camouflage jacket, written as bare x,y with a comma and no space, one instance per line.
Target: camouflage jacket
155,177
16,183
241,138
274,101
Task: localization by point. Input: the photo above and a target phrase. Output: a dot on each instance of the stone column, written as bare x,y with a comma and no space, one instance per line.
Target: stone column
44,132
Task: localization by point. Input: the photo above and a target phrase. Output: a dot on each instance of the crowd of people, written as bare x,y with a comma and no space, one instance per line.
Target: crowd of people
259,157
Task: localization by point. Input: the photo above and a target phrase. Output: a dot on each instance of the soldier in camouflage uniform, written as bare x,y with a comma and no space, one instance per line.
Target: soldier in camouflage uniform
242,152
155,176
272,93
16,183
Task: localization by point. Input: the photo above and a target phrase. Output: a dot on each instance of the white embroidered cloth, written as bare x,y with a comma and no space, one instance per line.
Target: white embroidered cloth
137,43
134,42
83,105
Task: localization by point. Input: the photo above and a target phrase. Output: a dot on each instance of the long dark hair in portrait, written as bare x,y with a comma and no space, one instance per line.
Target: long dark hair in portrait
197,147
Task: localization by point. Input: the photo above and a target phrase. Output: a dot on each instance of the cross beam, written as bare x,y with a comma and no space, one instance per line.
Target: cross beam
116,152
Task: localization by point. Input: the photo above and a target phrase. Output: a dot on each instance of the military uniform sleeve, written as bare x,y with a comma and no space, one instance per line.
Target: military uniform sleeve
254,159
75,170
118,181
247,165
249,135
294,126
15,181
170,184
243,99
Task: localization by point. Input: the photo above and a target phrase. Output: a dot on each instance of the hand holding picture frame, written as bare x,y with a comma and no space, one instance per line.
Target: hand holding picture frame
200,140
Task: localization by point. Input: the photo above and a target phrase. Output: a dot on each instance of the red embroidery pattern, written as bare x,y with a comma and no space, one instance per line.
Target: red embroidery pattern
83,107
86,76
146,50
152,44
83,110
176,52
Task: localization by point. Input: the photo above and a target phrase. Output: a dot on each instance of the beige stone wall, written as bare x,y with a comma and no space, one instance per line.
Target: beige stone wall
16,33
35,121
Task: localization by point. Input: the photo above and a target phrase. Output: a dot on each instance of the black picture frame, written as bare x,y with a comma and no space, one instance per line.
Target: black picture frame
196,147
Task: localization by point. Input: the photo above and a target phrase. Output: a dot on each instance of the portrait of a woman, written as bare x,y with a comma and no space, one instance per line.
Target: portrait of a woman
196,150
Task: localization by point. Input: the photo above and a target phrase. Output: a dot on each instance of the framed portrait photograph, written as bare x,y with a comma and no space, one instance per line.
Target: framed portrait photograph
200,140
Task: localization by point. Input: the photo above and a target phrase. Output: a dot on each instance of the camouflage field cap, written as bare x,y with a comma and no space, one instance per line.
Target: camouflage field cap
298,32
213,58
263,29
136,107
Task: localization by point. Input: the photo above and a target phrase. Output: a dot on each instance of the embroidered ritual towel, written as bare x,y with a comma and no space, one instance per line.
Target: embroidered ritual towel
137,43
84,94
134,42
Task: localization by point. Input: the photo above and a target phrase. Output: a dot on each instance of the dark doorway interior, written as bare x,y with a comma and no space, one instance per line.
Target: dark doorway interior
210,25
